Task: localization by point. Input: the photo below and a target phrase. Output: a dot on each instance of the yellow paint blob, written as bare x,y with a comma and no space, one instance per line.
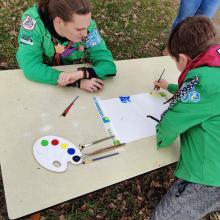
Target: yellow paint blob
64,146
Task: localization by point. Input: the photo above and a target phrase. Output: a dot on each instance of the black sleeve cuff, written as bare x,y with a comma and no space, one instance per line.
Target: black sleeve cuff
110,75
92,73
88,72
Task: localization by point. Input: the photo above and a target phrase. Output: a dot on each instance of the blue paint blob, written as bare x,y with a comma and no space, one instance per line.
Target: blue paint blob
76,158
125,99
71,151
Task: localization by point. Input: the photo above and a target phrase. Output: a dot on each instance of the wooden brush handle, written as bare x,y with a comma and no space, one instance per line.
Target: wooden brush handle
105,149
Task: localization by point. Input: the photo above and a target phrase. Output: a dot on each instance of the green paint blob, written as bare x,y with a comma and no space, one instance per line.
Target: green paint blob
116,142
44,143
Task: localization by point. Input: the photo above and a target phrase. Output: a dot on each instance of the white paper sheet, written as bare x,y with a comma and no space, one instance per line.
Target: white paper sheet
128,115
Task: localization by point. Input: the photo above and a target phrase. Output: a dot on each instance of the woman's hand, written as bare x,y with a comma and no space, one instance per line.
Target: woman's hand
91,85
161,84
66,78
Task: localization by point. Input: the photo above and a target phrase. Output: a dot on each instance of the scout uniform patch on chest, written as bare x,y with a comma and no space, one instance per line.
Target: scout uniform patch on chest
28,23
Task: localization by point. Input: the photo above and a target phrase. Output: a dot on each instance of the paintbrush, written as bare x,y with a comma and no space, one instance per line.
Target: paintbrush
99,158
153,118
69,107
105,149
159,78
96,142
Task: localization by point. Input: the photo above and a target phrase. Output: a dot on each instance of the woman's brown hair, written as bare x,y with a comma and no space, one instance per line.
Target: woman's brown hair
192,36
64,8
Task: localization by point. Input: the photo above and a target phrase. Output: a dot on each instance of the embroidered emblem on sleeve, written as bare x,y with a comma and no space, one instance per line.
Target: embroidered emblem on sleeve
93,39
28,23
194,96
186,93
26,40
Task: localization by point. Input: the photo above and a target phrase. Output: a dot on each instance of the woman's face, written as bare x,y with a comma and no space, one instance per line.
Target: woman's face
75,30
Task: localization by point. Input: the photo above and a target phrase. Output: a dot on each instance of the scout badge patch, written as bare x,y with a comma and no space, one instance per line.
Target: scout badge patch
93,38
26,40
194,96
28,23
81,48
188,92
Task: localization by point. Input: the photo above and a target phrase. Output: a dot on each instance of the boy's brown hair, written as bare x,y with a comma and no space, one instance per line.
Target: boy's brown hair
64,8
192,36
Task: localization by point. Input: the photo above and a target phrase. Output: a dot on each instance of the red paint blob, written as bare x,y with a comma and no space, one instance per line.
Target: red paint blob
54,142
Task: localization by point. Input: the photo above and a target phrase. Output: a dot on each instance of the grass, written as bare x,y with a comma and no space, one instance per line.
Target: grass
132,29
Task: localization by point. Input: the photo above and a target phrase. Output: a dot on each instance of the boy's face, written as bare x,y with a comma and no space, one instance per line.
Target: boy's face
182,62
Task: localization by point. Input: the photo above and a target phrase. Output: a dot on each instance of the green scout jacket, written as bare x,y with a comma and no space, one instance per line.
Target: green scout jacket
36,51
196,118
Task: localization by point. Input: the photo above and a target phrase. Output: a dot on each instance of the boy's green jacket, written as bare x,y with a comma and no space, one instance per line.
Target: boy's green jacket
196,118
36,51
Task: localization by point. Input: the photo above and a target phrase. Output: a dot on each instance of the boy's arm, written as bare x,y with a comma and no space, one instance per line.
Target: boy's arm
101,58
172,88
187,113
30,57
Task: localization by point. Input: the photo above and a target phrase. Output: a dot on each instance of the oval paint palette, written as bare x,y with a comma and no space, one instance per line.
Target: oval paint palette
54,153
